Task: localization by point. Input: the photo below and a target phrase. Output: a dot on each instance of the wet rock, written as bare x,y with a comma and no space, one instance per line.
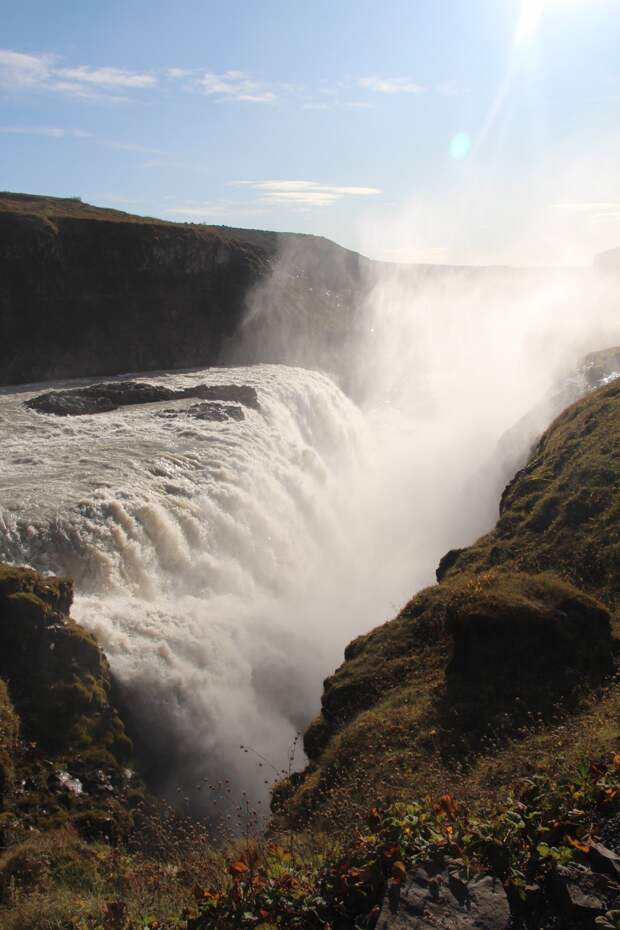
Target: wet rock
602,859
216,412
67,404
583,895
99,398
446,563
103,398
238,393
445,902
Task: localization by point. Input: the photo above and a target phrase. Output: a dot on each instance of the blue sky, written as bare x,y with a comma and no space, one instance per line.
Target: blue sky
475,131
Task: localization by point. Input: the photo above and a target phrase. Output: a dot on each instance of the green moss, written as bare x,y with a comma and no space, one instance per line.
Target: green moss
562,512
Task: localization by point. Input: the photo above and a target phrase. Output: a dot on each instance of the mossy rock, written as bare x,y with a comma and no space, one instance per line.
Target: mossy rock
58,857
57,690
525,635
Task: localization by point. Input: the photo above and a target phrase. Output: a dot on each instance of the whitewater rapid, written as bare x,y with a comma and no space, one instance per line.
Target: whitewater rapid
223,566
195,547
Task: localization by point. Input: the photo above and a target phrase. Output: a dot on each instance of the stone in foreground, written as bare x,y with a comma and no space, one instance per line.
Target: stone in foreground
444,902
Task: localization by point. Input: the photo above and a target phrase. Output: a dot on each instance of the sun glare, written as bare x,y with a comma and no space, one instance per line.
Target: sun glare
529,17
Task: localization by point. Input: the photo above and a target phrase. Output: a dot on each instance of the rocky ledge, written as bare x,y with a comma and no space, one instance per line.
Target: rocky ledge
64,753
105,397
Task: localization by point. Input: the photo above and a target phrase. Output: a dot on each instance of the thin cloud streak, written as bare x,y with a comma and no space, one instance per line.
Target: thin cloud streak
107,77
134,147
44,73
304,193
234,85
53,132
392,85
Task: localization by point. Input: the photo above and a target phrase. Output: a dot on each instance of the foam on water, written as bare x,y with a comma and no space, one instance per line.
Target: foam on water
194,546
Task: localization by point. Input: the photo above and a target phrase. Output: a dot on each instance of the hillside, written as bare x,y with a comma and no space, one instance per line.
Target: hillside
504,666
89,291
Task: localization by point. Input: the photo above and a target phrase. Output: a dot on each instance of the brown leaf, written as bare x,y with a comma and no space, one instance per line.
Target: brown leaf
237,869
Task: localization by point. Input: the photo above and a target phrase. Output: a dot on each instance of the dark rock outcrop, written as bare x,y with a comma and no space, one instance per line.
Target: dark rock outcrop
102,398
63,746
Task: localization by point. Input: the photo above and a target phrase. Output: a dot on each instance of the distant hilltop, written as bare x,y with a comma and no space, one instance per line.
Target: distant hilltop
92,291
609,260
88,291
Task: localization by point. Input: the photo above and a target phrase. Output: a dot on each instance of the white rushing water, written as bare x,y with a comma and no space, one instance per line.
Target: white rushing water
224,566
196,547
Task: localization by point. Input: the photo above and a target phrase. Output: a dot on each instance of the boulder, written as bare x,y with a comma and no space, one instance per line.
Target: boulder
445,902
216,412
581,895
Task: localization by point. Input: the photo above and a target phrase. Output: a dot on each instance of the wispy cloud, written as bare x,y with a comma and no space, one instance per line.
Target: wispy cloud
53,132
134,147
398,85
106,77
20,71
304,193
234,85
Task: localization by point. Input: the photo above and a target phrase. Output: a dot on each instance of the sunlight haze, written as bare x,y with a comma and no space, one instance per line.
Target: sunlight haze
464,131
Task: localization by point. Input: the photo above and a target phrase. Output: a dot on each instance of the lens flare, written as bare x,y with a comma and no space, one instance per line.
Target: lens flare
460,144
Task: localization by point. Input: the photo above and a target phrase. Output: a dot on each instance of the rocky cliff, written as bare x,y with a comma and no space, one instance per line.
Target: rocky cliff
89,291
502,667
63,748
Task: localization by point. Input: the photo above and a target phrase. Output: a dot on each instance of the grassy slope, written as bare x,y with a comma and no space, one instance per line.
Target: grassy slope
503,668
52,209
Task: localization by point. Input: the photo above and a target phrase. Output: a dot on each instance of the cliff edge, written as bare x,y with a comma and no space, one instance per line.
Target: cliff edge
503,668
88,291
